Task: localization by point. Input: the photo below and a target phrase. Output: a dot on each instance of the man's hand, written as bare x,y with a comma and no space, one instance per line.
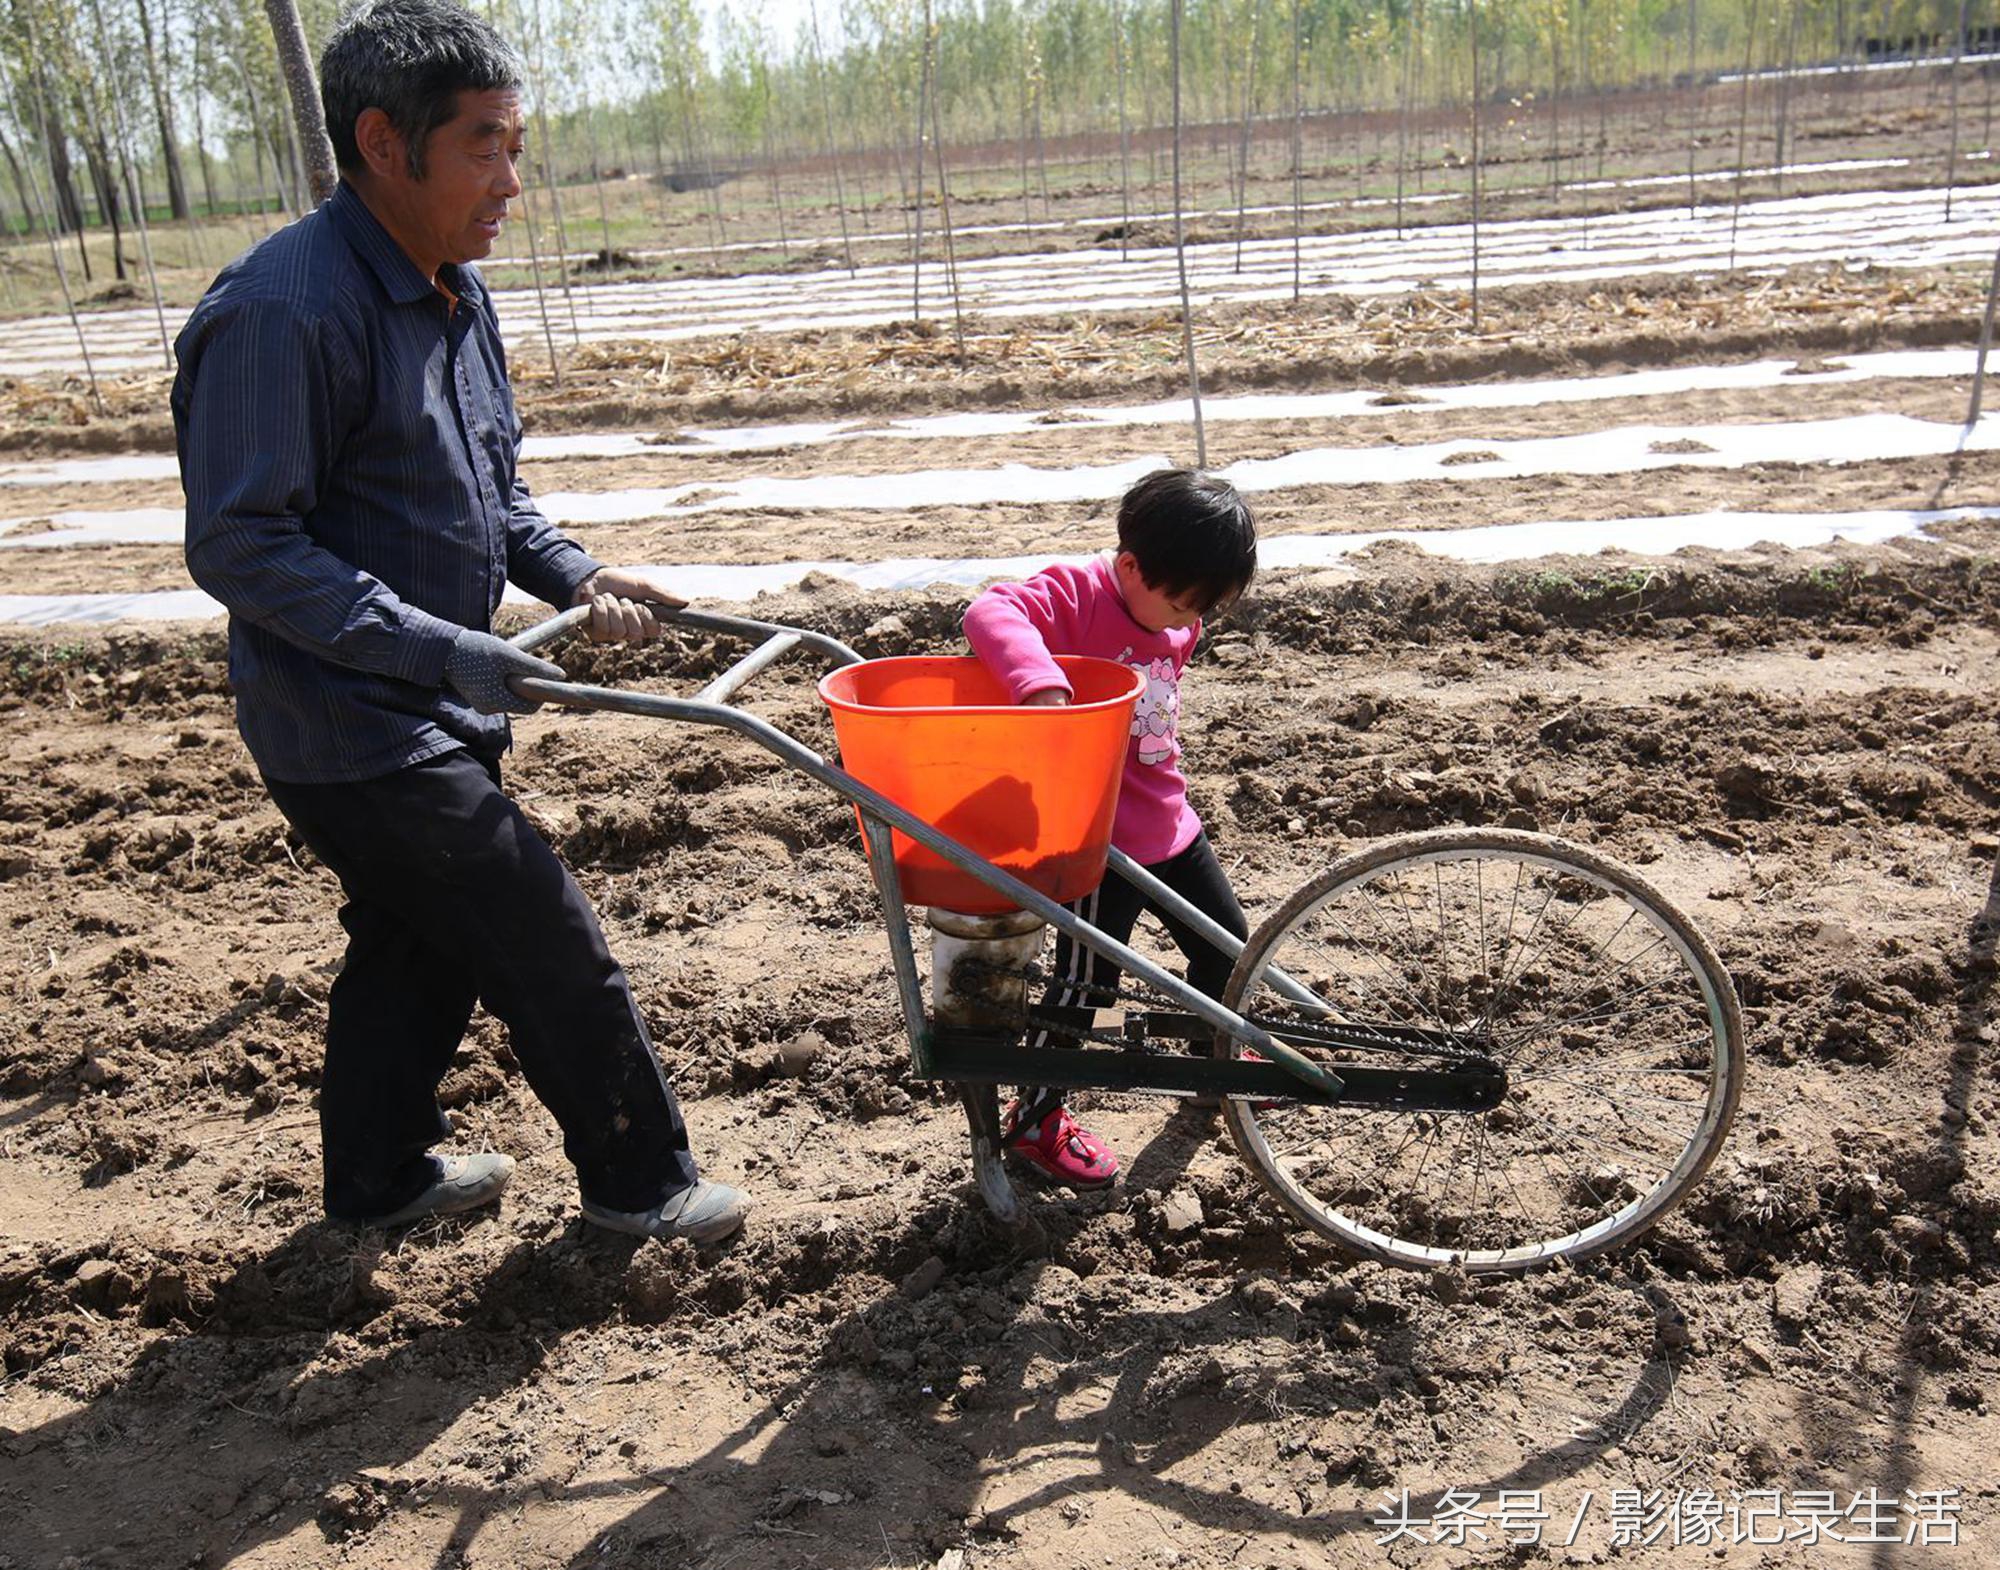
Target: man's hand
477,669
618,613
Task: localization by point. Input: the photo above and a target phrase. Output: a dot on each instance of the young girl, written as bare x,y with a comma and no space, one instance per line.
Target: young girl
1187,546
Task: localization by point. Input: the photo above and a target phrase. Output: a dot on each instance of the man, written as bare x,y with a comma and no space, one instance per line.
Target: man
348,444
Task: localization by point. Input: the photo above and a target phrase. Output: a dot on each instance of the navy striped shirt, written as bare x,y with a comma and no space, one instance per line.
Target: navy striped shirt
348,445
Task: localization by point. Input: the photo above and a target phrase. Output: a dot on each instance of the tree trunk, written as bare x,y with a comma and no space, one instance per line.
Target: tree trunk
97,159
64,197
659,136
170,151
541,293
7,221
771,168
308,118
711,212
555,209
129,163
20,179
52,230
300,199
200,129
263,142
597,180
832,152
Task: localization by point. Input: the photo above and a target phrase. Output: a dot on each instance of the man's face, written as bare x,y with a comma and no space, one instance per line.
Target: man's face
471,173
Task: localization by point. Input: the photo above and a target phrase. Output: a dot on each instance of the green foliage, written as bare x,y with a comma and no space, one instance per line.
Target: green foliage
725,86
1624,584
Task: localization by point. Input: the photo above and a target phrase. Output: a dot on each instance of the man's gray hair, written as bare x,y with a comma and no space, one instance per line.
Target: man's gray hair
410,59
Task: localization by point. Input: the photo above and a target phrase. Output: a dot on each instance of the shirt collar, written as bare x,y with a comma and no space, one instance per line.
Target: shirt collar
463,280
392,266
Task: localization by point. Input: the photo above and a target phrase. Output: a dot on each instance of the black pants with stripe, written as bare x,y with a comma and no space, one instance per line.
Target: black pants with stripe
1084,979
454,899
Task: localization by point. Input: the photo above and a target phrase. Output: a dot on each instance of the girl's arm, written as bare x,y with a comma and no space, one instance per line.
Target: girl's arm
1017,629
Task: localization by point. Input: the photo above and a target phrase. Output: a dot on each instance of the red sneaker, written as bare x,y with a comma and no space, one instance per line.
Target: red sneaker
1266,1103
1060,1149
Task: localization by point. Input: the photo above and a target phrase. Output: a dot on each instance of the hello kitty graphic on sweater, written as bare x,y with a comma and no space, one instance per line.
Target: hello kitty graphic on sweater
1016,629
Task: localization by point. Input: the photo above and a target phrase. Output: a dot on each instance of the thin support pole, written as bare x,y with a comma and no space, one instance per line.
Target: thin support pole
1985,343
1951,158
1781,140
51,226
549,166
1124,140
1555,114
597,180
1249,109
1742,135
1298,151
1694,106
535,265
133,193
1403,99
1472,19
1180,257
917,230
944,198
771,165
541,291
1027,190
832,151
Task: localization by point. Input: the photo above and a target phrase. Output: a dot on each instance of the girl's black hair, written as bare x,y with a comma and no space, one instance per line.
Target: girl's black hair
1191,534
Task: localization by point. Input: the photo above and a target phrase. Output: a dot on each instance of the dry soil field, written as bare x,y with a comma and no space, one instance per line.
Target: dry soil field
1800,746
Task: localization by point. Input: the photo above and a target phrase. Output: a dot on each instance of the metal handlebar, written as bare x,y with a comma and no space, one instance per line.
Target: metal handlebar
566,622
705,710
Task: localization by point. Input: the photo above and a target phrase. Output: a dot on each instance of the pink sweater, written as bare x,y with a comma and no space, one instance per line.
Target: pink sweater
1016,628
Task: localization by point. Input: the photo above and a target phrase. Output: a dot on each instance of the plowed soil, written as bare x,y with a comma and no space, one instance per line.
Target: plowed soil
1801,750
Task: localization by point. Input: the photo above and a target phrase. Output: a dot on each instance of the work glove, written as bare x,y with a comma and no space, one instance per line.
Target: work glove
478,667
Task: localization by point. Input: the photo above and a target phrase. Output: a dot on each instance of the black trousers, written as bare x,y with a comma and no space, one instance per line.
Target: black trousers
453,898
1084,978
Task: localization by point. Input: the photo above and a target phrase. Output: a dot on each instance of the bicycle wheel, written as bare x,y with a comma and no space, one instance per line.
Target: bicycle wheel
1615,1024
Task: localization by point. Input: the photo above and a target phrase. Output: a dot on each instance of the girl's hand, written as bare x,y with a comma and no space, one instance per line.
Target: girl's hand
1047,698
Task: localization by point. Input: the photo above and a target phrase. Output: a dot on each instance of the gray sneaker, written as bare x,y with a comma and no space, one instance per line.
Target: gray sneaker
462,1183
703,1212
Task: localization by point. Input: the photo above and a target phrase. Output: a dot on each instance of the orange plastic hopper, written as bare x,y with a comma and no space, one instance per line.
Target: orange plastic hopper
1031,789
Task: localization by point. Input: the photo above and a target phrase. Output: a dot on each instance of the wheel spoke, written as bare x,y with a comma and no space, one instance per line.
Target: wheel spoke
1599,998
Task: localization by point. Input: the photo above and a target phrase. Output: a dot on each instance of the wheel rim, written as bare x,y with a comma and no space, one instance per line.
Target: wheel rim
1616,1027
